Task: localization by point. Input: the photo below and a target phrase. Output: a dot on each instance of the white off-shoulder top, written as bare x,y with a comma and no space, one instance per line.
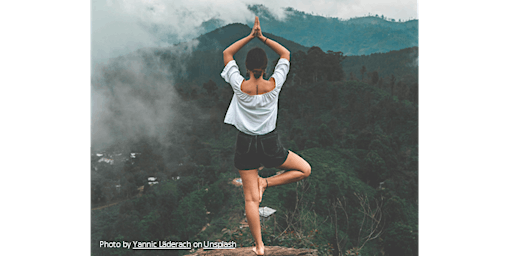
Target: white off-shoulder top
253,114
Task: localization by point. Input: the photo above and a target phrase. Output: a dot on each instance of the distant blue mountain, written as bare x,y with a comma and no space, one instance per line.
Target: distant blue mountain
355,36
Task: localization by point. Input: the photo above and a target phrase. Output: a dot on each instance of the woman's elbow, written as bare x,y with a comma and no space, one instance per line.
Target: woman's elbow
286,55
227,54
227,57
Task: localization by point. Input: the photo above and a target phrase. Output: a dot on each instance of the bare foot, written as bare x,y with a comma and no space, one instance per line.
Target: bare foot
261,251
262,185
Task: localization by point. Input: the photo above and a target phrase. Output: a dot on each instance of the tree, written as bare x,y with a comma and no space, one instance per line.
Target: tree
400,239
325,136
202,156
352,76
299,67
401,90
372,224
363,70
334,69
393,79
190,216
369,227
315,60
214,198
316,65
375,77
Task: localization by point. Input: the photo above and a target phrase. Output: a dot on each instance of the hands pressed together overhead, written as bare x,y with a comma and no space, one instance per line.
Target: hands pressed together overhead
256,29
229,52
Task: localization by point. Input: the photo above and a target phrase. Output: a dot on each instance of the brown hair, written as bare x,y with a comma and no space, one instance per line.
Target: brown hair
256,61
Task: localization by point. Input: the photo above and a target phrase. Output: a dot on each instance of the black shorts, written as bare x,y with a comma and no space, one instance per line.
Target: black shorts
254,151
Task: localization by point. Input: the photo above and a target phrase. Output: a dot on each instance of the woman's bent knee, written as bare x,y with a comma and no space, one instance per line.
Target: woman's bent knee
252,200
306,170
252,197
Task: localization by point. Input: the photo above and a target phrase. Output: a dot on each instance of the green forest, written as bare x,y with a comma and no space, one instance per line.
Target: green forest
353,118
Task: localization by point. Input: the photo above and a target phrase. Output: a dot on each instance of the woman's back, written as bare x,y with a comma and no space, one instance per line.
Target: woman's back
253,108
258,86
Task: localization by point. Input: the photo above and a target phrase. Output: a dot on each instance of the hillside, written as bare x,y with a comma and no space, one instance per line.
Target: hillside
401,64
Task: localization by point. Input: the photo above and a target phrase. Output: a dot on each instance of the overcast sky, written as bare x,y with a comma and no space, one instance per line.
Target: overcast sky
122,26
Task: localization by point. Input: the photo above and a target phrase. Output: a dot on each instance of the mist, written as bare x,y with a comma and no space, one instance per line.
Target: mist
119,27
133,97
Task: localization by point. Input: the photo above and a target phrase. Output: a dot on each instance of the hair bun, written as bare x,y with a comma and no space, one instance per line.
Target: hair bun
257,73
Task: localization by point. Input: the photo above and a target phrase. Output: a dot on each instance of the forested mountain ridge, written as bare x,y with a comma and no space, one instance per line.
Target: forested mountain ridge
354,36
163,110
201,59
205,58
401,64
221,38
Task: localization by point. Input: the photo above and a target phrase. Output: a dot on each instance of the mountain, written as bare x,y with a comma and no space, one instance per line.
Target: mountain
212,24
200,59
221,38
355,36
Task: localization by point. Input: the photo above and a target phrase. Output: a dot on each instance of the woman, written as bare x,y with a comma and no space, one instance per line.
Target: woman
253,111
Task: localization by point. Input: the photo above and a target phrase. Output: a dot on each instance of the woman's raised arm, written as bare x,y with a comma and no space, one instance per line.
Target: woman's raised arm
229,52
275,46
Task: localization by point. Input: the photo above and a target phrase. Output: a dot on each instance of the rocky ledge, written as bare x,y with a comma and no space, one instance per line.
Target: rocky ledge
269,250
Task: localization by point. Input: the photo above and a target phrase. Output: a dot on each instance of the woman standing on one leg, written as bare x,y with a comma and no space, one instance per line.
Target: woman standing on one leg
253,111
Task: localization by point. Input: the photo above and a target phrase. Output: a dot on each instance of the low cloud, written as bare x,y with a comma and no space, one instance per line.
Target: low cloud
133,97
122,26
